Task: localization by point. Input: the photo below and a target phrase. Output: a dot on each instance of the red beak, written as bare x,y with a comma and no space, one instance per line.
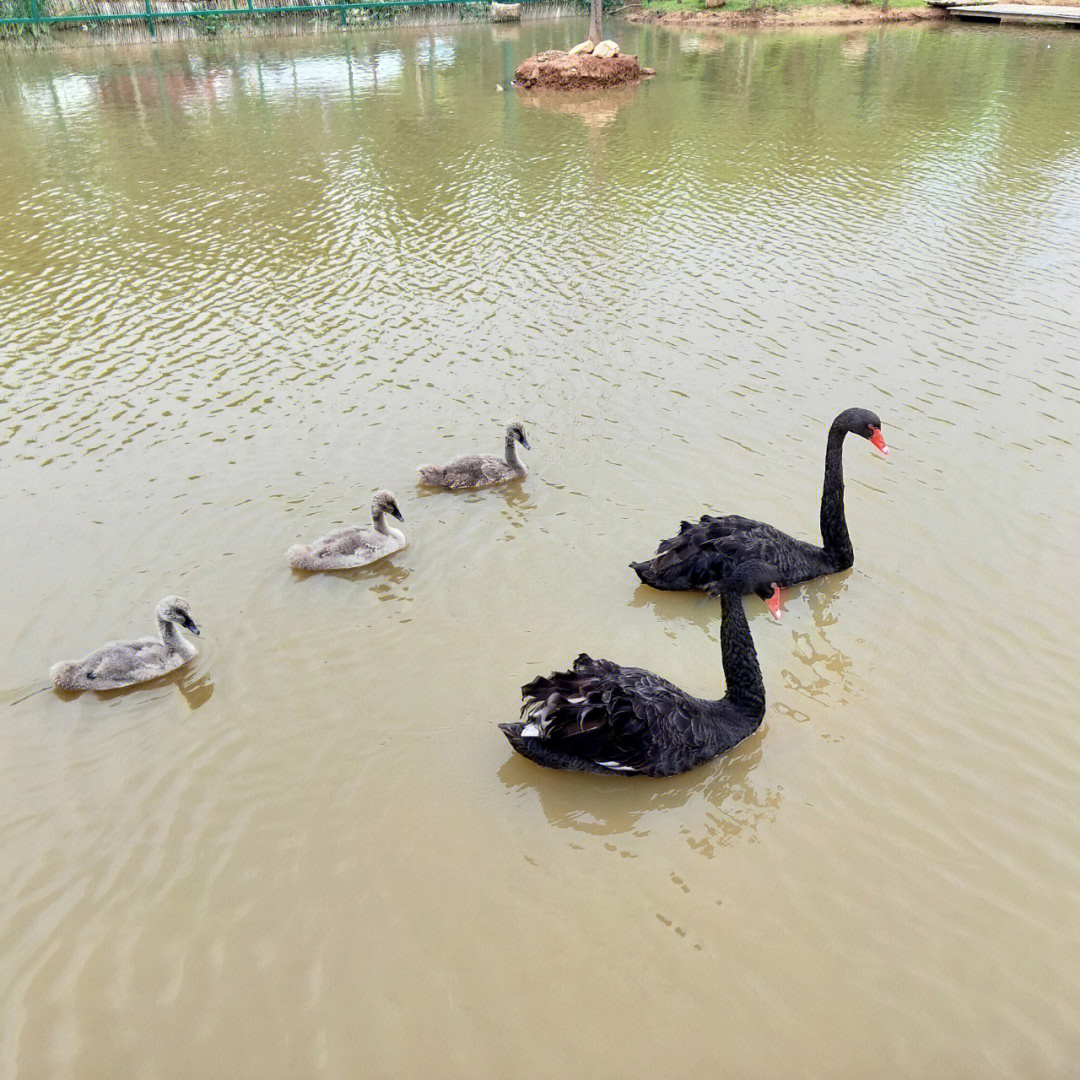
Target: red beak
773,603
879,441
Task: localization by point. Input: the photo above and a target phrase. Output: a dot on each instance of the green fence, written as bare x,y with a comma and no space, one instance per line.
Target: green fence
36,12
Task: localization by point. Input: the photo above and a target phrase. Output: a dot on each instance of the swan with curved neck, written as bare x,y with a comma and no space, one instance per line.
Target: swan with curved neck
604,718
351,547
124,663
710,550
480,470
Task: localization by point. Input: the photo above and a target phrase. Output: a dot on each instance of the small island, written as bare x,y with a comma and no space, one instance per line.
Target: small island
593,64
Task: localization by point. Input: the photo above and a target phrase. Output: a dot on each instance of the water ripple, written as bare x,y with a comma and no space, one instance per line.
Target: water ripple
245,283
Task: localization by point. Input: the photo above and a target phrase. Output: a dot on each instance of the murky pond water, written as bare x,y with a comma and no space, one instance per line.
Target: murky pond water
244,285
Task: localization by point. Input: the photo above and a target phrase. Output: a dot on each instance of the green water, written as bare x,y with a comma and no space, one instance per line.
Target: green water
244,284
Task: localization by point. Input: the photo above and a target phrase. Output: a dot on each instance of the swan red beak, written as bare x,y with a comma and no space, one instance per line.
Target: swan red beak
879,442
773,603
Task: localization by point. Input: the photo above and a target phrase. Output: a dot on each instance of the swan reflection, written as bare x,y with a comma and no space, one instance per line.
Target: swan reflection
196,689
595,109
194,686
822,667
518,501
382,576
724,804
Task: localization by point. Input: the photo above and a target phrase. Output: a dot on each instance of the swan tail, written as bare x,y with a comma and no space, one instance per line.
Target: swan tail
536,751
430,474
65,675
646,572
513,733
301,557
669,575
527,747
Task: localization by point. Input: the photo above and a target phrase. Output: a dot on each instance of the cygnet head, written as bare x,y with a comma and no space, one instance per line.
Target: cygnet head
385,503
175,609
516,430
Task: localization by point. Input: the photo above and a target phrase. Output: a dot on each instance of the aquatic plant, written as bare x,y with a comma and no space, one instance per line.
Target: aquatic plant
23,9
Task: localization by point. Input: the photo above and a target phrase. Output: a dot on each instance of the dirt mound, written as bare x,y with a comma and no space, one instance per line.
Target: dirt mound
556,70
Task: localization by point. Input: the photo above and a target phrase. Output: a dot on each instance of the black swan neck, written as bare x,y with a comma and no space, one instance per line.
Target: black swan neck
745,690
834,532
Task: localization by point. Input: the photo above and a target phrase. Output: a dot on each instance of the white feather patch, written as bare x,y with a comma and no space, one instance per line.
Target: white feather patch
616,766
530,731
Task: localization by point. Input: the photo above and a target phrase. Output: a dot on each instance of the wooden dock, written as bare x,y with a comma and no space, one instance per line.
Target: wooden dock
1040,14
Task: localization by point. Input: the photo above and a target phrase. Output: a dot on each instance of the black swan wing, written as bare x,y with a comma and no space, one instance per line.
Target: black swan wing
711,549
622,719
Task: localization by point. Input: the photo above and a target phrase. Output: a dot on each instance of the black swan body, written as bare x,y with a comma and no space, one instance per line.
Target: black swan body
710,550
605,718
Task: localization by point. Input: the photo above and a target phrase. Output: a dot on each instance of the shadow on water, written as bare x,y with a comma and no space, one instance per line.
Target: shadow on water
702,610
822,667
195,689
194,686
815,667
685,608
726,803
514,495
517,499
382,574
697,609
512,490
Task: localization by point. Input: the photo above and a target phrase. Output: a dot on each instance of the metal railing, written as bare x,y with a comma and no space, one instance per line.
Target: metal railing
150,15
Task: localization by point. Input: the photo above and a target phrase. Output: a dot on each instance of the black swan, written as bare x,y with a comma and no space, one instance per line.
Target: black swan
711,549
604,718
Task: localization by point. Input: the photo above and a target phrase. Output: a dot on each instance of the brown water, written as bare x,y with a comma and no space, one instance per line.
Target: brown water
244,285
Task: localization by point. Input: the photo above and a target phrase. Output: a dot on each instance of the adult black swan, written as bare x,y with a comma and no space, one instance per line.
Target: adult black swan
710,550
604,718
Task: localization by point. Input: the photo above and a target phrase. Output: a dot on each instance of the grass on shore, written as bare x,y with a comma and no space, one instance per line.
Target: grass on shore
773,5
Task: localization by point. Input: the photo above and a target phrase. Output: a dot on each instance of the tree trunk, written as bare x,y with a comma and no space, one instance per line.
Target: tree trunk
596,30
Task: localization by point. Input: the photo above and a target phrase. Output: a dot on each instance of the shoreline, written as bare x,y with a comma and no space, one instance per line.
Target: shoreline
127,22
770,18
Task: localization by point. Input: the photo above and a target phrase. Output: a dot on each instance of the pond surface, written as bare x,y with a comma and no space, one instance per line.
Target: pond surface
246,283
